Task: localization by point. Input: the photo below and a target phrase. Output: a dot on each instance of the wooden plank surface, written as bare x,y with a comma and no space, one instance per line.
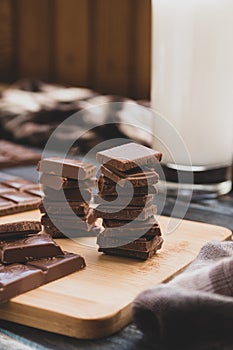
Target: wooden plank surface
112,46
96,302
34,41
6,41
72,41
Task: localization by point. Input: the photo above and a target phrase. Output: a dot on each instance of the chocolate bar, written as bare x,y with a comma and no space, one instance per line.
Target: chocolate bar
58,208
34,246
17,202
16,279
19,229
139,179
12,155
17,184
137,254
71,195
70,168
129,156
18,195
60,266
58,182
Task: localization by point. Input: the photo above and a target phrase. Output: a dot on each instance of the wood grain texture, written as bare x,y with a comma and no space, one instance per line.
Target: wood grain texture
101,44
6,41
112,46
34,18
141,47
71,31
82,305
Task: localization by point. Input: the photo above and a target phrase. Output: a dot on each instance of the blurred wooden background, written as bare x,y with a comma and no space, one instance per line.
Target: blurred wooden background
102,44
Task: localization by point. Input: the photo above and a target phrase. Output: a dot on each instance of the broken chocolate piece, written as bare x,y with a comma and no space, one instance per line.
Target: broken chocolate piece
70,168
129,156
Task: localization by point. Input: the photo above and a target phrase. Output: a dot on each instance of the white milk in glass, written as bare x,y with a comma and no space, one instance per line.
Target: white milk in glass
192,77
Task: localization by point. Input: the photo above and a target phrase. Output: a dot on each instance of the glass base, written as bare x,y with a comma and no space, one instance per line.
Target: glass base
195,182
195,191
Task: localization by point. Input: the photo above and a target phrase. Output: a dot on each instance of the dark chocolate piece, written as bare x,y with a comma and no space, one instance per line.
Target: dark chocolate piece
60,266
132,232
58,182
34,246
20,227
12,155
108,187
146,224
141,243
16,279
129,156
137,254
128,213
71,195
136,201
140,179
58,208
68,228
70,168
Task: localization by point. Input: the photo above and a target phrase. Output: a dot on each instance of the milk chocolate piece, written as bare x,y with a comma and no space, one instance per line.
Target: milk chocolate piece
17,183
58,208
65,222
35,190
21,202
12,155
19,229
16,279
137,254
58,182
140,179
70,168
3,188
108,187
60,266
136,201
71,195
128,213
18,195
35,246
129,156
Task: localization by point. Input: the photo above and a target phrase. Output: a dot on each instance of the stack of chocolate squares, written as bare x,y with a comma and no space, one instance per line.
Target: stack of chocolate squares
30,258
126,194
67,187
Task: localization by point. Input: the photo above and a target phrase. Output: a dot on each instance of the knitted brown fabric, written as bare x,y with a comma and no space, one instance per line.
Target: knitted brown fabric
194,309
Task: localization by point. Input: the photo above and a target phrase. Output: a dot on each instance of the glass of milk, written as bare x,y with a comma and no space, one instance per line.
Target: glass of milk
192,89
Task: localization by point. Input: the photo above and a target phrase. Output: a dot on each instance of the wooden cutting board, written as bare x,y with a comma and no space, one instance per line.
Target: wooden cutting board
96,302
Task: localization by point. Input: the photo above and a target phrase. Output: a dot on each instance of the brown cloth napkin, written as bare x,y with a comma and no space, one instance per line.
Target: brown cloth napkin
194,309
